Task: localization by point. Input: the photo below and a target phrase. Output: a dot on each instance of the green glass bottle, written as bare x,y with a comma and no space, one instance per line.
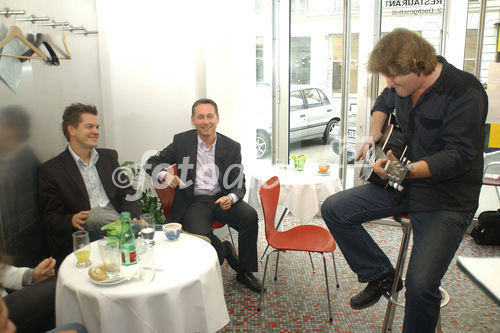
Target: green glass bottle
127,241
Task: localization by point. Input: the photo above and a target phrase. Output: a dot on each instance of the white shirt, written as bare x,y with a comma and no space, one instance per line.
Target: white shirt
206,182
95,190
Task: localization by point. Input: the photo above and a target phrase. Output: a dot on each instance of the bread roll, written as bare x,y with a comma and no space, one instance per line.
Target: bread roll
97,272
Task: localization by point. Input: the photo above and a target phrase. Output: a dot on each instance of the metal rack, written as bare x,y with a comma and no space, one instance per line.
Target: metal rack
48,21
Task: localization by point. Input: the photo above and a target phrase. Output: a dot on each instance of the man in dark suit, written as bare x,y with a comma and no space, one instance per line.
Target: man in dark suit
77,188
211,186
19,214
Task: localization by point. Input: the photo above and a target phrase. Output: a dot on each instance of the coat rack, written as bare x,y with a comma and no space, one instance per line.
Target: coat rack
62,26
47,21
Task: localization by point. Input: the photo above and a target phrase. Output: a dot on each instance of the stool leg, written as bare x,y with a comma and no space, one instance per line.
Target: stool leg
438,326
392,301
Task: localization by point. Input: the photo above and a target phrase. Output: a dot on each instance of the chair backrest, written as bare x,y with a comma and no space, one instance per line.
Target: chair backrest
269,193
166,193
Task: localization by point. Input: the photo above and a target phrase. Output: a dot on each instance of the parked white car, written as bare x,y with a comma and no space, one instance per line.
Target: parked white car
312,115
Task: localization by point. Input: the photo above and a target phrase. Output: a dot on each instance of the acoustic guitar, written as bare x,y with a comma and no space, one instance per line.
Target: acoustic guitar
392,139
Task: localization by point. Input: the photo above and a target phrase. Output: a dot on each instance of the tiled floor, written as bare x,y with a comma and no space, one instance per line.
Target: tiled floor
296,302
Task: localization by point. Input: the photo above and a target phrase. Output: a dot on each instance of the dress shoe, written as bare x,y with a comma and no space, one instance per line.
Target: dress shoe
249,280
373,291
230,255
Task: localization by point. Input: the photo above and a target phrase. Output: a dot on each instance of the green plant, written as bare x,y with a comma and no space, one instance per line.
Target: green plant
148,201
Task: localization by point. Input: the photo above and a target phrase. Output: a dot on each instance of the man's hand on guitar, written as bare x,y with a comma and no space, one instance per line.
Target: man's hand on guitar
369,142
379,165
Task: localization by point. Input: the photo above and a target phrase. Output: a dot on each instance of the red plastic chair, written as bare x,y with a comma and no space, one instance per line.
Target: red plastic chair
310,238
166,195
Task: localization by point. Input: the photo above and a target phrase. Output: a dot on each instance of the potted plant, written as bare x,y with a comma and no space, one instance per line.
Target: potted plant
149,201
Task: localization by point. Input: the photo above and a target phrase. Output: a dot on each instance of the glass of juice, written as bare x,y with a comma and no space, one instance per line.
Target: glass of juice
81,248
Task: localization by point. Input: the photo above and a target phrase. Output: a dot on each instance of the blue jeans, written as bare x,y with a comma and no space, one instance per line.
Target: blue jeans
436,237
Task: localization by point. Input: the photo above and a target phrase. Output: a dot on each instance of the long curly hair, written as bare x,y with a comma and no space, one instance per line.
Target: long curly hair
402,52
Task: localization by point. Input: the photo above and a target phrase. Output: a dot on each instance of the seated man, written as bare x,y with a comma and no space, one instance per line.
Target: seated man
441,110
76,188
31,301
211,186
30,307
19,215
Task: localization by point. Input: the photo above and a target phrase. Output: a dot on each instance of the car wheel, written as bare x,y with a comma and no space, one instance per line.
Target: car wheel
262,144
328,130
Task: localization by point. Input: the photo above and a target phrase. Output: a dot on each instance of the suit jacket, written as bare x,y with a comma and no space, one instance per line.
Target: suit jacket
63,193
182,151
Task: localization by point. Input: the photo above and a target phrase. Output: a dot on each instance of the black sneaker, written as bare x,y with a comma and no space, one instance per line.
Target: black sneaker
373,291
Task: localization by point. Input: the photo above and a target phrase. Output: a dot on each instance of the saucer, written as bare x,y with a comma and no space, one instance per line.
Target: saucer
110,281
126,273
323,173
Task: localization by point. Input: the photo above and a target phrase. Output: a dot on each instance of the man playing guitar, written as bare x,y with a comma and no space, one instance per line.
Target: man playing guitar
441,111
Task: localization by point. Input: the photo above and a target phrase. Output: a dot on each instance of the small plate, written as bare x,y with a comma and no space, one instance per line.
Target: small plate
323,173
110,281
126,273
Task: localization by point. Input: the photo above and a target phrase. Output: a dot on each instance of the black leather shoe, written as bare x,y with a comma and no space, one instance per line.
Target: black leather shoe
250,281
230,255
373,291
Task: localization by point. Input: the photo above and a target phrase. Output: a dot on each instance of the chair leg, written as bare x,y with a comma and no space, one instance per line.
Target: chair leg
264,280
335,270
276,268
312,264
327,288
230,235
285,211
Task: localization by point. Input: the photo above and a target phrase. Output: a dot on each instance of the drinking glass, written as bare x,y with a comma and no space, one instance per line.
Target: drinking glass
81,248
147,222
146,260
110,254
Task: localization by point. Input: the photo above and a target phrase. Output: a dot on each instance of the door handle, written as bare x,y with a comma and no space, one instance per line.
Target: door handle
329,110
302,115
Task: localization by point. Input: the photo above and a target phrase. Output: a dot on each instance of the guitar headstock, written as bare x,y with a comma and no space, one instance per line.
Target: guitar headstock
396,172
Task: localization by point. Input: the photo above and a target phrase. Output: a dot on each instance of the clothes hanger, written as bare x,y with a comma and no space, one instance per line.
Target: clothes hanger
68,52
15,32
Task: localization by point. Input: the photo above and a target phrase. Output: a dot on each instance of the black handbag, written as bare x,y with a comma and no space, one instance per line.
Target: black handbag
487,231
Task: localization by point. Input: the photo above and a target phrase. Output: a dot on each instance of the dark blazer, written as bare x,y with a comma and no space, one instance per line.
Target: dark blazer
63,193
183,152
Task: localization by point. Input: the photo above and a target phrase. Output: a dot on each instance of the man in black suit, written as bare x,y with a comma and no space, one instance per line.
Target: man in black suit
211,186
77,188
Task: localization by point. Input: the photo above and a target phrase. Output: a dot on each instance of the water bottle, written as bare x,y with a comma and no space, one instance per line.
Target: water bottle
127,241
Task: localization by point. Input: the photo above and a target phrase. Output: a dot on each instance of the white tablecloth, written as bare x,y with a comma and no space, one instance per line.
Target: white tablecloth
485,271
300,191
187,296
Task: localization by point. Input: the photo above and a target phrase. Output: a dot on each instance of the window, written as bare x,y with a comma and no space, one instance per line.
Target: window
296,101
259,59
300,61
312,98
337,50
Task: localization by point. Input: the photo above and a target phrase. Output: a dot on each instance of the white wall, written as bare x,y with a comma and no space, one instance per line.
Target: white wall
154,60
46,90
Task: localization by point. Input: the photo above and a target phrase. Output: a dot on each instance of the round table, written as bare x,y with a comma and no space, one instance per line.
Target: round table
186,295
300,191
